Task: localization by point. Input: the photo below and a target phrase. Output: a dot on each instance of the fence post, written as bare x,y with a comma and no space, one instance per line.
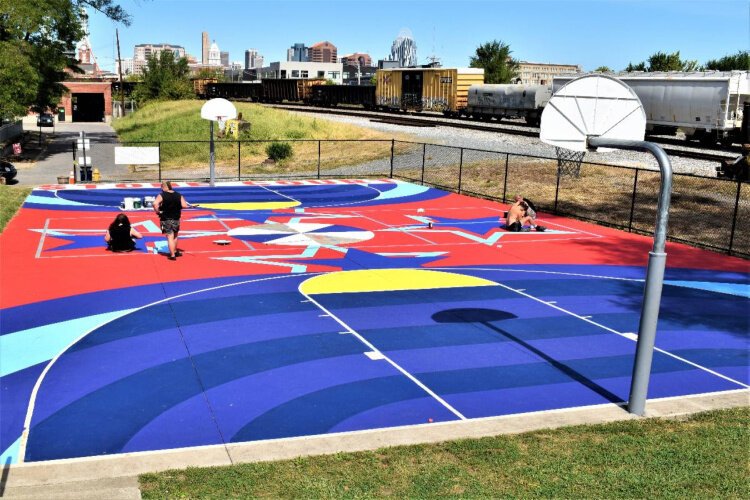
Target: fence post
557,190
393,145
158,146
460,169
318,158
239,160
632,201
734,217
505,177
424,150
75,152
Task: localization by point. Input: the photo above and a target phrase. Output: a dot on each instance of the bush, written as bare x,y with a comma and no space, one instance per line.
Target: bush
279,150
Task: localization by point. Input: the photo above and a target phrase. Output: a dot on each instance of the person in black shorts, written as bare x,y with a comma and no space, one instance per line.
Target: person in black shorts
120,236
168,205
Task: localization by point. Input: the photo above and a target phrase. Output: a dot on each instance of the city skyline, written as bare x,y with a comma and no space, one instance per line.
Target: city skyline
589,33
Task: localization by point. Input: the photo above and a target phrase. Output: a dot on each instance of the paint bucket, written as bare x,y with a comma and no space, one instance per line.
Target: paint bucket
148,201
137,203
128,203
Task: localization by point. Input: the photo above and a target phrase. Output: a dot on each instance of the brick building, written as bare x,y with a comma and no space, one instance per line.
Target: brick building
323,52
87,101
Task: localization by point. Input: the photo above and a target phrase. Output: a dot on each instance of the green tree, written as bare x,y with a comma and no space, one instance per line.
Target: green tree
740,61
495,58
661,61
164,78
37,44
603,69
641,66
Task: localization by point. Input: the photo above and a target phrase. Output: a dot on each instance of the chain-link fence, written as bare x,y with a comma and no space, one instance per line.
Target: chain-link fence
705,211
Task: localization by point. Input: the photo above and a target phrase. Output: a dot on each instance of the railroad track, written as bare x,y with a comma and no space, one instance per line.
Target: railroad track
410,120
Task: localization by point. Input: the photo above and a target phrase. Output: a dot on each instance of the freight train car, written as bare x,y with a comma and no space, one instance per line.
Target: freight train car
705,105
246,91
442,90
199,86
508,101
292,90
333,95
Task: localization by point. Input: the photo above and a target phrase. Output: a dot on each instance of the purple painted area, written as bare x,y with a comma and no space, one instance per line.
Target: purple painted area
78,373
251,285
207,337
189,423
461,357
14,400
242,400
591,346
412,412
687,382
527,399
669,340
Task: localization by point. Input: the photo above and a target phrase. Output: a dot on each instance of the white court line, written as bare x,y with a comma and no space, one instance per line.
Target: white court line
395,227
280,194
38,384
41,240
379,353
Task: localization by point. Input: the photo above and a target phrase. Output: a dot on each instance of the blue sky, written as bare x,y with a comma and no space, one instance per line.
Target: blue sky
591,33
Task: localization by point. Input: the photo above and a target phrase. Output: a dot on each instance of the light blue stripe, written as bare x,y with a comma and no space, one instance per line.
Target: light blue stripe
43,200
25,348
402,191
11,453
737,289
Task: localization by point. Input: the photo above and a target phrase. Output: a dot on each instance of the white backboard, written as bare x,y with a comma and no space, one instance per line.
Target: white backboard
593,105
217,108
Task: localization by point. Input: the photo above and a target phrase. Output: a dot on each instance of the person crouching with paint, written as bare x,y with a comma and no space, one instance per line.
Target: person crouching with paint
168,205
120,236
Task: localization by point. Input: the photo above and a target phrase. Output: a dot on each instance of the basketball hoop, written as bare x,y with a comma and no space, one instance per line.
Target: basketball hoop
569,162
216,110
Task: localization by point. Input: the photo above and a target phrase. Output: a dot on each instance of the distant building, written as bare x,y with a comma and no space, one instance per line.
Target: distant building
542,73
296,69
357,58
225,59
298,52
127,66
204,48
404,49
358,75
214,55
253,59
323,52
142,51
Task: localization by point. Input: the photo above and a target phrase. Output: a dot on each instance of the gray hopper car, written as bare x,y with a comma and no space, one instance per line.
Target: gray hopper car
707,106
508,101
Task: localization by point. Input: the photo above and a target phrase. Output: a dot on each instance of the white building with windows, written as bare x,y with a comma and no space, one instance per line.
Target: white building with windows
299,69
214,55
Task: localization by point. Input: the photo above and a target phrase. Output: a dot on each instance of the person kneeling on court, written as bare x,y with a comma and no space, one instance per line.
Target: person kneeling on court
169,205
120,236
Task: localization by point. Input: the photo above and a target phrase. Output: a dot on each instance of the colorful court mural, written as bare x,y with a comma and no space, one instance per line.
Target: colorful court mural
337,305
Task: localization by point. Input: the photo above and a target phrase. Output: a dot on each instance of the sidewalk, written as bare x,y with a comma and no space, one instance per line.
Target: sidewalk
55,158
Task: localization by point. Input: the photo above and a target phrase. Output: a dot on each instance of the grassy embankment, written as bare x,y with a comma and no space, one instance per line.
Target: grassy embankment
11,198
703,456
180,121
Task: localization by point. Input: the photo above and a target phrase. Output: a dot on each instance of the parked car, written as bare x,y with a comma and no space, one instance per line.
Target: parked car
45,120
7,170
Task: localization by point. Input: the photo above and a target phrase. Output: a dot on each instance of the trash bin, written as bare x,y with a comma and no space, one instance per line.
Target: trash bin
85,173
61,114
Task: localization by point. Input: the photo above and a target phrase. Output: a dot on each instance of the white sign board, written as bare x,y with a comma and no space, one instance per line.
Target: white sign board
136,155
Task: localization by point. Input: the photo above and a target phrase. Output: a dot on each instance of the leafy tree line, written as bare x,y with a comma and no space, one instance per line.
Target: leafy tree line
37,44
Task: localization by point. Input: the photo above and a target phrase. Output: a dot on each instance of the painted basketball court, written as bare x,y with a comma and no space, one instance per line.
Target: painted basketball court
335,307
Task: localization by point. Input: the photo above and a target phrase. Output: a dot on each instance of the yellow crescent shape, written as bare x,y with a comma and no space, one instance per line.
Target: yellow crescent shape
387,280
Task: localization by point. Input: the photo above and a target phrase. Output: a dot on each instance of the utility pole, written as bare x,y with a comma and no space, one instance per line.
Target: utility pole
119,67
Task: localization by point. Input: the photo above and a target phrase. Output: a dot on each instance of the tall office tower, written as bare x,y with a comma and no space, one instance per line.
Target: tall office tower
324,52
253,59
204,48
224,59
298,52
404,49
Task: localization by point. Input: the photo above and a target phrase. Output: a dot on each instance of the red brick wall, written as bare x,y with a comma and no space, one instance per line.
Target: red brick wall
87,88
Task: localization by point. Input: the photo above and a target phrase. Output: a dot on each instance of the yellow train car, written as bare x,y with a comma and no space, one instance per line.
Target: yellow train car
443,90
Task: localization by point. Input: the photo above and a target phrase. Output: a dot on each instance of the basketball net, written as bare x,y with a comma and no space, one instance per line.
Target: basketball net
221,121
569,162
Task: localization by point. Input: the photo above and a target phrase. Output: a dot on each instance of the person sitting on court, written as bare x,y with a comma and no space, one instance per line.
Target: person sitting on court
524,213
120,236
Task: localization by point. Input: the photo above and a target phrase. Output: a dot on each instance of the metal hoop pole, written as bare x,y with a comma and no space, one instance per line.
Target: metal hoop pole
654,275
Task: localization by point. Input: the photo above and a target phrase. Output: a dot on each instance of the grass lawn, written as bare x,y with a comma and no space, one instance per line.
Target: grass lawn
181,121
701,456
11,198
